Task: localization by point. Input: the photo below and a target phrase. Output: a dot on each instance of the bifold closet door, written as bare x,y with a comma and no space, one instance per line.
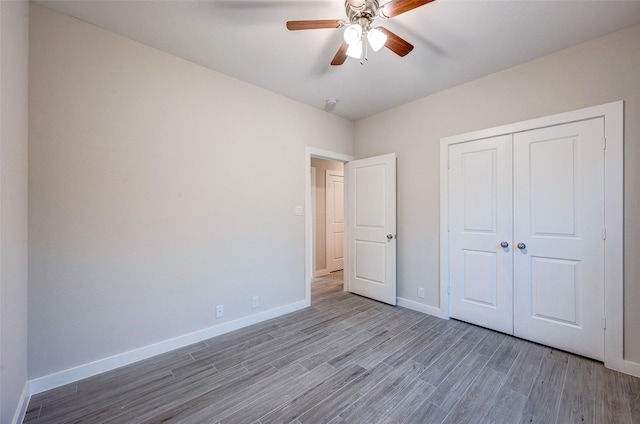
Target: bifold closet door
558,188
480,196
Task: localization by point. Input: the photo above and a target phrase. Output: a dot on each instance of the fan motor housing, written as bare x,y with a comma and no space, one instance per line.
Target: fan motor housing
367,9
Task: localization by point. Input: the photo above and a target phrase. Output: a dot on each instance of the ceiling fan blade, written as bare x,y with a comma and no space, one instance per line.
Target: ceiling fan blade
396,7
317,24
341,55
396,44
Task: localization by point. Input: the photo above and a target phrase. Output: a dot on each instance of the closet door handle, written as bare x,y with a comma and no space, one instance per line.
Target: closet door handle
504,244
522,246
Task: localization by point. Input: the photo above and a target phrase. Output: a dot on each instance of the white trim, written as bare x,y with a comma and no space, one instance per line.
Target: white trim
310,152
613,114
614,243
602,111
61,378
444,229
421,307
314,227
21,410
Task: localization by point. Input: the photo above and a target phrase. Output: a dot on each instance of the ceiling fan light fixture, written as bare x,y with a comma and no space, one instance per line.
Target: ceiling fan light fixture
376,39
355,50
353,34
361,15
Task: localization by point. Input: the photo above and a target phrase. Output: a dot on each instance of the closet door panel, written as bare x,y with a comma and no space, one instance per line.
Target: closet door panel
480,196
558,178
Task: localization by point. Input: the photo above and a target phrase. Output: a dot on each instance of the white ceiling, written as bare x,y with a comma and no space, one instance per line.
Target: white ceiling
455,42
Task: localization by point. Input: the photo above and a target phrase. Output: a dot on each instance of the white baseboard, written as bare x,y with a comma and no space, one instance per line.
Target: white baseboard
421,307
320,273
21,410
624,366
71,375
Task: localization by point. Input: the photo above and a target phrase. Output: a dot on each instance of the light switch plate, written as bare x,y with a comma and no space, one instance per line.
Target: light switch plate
298,211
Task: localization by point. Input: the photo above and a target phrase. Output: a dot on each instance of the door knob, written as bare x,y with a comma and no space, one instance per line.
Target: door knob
389,236
522,246
504,244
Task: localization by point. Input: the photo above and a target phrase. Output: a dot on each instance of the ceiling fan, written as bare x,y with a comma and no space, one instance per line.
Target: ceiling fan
361,15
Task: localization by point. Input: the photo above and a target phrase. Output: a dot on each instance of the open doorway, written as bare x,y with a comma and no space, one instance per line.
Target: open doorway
328,214
370,257
327,188
327,180
325,201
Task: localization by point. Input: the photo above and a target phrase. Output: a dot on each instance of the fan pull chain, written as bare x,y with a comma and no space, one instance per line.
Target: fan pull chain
365,50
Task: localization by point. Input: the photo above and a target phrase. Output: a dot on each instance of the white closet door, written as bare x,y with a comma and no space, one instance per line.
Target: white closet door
480,195
558,219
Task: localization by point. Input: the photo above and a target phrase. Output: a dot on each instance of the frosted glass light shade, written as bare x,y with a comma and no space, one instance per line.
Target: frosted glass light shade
356,3
353,34
355,50
376,39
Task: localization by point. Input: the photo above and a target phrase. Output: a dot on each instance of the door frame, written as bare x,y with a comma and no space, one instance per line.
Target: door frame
613,114
313,152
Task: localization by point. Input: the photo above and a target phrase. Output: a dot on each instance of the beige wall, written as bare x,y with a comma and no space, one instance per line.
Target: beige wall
14,45
589,74
320,218
149,199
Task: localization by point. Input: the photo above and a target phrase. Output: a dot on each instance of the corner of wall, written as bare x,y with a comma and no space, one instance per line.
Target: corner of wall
21,410
14,47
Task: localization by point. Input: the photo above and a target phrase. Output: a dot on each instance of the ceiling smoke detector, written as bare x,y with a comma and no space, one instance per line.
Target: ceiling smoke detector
330,104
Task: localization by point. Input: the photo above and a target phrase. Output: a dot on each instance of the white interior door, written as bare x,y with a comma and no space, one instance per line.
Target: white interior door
559,210
371,227
480,193
334,193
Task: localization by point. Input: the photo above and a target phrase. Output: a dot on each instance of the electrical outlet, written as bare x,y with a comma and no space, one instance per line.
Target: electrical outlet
255,302
421,292
219,311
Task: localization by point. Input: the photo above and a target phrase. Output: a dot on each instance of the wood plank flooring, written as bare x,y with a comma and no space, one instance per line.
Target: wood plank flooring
348,359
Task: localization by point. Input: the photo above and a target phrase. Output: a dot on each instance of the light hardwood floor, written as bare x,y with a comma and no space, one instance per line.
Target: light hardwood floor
348,359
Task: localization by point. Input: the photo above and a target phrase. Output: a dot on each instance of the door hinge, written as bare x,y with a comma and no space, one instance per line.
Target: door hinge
604,233
604,323
448,164
448,227
604,143
448,289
